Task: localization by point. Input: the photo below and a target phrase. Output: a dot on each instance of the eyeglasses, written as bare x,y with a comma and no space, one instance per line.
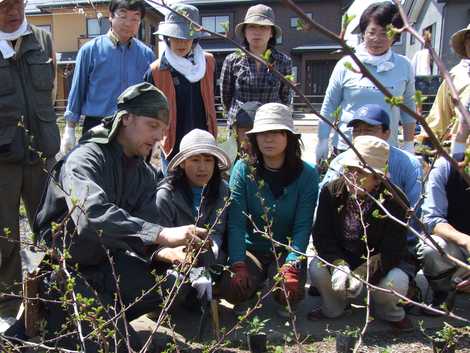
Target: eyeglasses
12,4
376,35
124,17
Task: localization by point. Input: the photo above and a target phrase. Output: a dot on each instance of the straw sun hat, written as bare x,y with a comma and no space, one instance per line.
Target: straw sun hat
374,150
196,142
458,42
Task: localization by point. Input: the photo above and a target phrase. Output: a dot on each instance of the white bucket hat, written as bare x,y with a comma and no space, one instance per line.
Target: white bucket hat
373,150
259,15
273,116
458,42
196,142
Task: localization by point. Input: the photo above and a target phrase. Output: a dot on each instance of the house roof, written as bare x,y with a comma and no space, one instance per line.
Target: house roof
218,47
35,6
310,48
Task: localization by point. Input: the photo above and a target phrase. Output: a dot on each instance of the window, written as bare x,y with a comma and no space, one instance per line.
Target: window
216,23
92,27
295,20
47,28
95,27
432,31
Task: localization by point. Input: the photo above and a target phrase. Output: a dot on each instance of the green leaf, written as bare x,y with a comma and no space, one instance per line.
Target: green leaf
225,26
394,101
290,78
419,98
346,20
300,25
348,65
267,55
376,213
391,31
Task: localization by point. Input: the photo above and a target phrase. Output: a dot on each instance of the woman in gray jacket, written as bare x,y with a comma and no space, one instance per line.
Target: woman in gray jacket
195,193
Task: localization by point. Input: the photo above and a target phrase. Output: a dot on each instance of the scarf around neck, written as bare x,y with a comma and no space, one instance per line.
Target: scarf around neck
7,50
193,72
381,62
466,64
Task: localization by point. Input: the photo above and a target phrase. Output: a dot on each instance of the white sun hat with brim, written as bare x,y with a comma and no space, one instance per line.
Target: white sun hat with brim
373,150
458,42
259,15
273,116
197,142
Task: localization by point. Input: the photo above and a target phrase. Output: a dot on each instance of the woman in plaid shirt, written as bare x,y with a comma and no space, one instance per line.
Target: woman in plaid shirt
242,78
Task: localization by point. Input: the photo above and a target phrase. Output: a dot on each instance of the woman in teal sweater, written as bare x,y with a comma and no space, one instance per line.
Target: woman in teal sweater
277,189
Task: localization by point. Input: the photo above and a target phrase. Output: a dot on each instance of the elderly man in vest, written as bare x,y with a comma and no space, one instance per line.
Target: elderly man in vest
29,137
104,195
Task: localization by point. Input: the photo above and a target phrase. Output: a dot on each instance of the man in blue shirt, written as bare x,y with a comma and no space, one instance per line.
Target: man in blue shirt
105,67
446,217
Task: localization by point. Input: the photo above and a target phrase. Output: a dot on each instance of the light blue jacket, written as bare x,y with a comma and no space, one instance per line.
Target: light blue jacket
349,91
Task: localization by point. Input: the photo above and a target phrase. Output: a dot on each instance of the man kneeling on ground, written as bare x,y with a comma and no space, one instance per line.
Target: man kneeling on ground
104,194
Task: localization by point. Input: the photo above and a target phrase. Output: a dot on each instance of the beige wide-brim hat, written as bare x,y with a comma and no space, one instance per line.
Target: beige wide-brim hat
458,42
374,150
259,15
196,142
273,116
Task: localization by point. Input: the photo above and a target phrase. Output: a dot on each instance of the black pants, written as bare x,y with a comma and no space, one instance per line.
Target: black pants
90,122
97,285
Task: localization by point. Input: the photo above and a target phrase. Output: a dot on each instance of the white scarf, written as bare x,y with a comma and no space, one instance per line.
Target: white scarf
382,62
466,63
5,46
193,72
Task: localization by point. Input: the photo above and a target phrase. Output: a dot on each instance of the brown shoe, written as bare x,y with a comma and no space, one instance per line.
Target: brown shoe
404,325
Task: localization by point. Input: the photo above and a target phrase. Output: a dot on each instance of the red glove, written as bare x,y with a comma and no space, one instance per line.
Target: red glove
241,283
291,276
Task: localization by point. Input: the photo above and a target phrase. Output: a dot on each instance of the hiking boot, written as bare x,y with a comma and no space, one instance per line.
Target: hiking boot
404,325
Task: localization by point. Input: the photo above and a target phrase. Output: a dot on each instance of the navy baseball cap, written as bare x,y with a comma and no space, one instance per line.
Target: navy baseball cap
371,114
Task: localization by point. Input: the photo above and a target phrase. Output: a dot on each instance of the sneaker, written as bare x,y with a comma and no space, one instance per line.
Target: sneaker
6,322
404,325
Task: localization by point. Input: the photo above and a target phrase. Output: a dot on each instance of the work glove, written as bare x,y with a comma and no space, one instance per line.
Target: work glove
321,151
409,146
291,276
202,282
68,140
342,281
241,283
